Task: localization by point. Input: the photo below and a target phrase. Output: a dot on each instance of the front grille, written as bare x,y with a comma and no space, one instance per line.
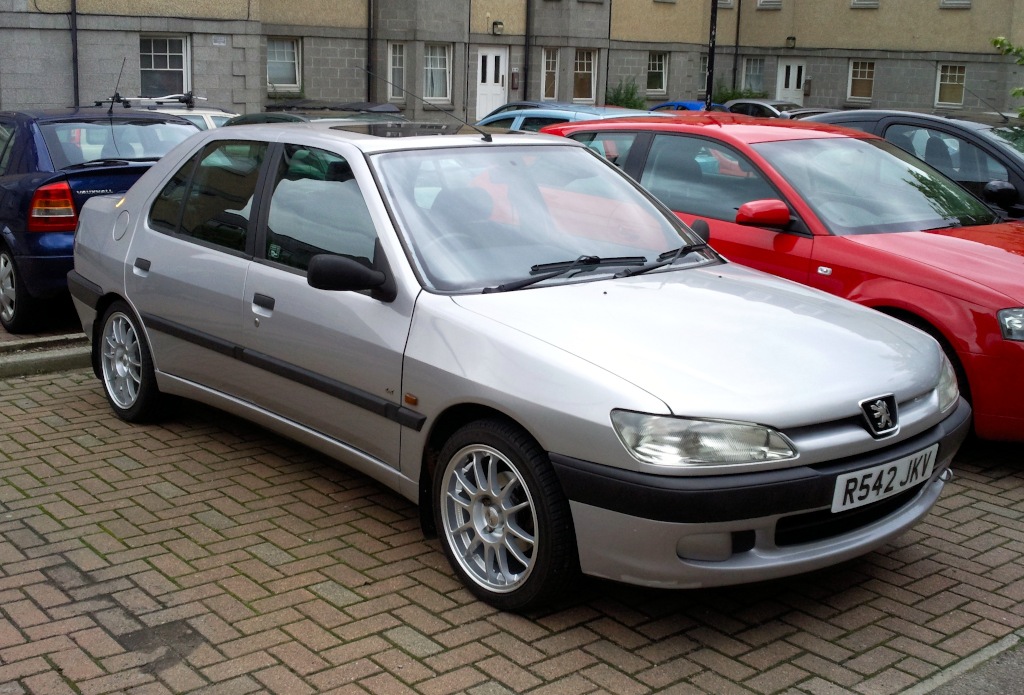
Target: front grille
815,526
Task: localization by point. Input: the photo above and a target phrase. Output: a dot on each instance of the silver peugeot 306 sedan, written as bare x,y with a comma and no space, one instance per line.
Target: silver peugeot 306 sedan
508,331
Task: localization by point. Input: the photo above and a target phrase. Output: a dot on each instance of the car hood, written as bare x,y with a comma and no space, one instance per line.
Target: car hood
726,342
991,256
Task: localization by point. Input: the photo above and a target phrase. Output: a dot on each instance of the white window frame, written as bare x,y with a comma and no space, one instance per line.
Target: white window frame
586,58
550,69
747,64
769,4
954,4
863,4
653,59
431,66
961,74
861,70
162,61
290,46
726,4
702,74
397,64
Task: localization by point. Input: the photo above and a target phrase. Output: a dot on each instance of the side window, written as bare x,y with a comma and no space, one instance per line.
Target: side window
535,123
317,207
701,177
614,147
210,197
501,122
955,157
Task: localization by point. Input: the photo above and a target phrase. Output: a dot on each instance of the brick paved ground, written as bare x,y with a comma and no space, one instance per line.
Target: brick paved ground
205,555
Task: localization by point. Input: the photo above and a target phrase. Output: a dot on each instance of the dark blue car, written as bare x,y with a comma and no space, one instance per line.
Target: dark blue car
51,162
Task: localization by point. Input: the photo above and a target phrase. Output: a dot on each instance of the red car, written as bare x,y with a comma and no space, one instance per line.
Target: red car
853,215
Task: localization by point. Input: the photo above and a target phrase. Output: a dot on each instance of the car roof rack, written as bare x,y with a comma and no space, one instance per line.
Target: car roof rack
187,100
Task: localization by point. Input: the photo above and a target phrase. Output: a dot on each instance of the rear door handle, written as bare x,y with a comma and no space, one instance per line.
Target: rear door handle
141,267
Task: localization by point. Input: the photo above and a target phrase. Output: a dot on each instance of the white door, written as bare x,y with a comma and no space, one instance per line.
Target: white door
491,71
790,85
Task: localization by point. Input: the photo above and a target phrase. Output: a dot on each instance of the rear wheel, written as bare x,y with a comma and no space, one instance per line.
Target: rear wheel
504,522
126,367
18,310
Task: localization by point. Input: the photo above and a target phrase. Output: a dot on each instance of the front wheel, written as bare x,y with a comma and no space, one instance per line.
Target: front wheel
126,367
504,521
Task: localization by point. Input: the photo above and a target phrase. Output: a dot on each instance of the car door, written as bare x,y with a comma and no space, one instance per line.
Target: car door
702,178
187,262
330,360
959,154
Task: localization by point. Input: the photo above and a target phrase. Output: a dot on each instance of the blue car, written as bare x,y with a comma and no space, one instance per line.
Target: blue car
686,105
51,162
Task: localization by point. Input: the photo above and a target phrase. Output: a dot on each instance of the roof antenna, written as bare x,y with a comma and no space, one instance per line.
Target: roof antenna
117,97
484,134
987,103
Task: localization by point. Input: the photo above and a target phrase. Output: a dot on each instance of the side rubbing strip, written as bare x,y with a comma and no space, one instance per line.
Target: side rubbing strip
357,397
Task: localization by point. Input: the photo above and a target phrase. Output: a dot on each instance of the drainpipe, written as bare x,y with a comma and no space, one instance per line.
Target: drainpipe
736,43
369,50
526,47
709,84
74,54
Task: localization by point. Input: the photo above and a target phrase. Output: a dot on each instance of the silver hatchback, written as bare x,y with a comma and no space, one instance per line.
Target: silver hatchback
510,332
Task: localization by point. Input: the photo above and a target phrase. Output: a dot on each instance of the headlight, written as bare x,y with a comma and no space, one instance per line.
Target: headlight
672,441
947,389
1011,323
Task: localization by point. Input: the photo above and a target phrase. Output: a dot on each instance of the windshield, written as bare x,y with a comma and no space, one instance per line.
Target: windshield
75,142
870,186
492,217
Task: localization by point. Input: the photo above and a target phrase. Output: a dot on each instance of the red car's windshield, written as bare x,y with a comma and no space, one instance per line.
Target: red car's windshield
868,186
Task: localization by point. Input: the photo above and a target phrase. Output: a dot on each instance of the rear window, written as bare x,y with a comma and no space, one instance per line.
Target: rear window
75,142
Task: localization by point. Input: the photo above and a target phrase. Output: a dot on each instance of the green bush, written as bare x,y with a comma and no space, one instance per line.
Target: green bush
625,94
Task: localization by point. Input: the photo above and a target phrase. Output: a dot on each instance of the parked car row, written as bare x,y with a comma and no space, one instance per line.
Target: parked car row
853,215
512,333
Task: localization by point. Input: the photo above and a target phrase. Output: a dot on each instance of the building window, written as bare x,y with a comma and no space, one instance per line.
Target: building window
954,4
283,64
163,61
753,74
437,76
583,75
703,74
396,71
657,73
769,4
950,88
550,73
862,79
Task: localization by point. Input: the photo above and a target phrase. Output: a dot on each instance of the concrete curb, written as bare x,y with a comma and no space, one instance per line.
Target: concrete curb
38,355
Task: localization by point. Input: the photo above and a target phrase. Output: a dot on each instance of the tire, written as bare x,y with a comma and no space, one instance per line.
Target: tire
18,310
502,517
126,368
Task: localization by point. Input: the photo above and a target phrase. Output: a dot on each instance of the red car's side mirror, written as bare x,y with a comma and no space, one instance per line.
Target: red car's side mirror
763,213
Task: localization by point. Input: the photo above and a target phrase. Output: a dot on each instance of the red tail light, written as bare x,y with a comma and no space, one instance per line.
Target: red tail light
52,209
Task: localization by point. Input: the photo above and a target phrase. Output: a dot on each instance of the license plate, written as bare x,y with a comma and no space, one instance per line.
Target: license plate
878,482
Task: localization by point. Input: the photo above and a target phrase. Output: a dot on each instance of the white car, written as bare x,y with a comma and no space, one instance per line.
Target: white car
510,332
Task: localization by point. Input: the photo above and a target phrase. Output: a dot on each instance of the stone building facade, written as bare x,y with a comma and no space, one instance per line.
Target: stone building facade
466,56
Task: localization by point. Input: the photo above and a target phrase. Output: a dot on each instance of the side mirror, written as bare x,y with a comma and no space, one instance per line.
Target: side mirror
1001,193
764,213
342,274
701,229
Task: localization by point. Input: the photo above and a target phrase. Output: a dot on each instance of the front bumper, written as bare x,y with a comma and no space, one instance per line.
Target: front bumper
689,532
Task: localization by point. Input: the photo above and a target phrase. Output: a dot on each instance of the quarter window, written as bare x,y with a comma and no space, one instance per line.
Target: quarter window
283,64
163,63
657,73
951,80
550,73
7,131
862,79
210,198
317,208
583,75
437,76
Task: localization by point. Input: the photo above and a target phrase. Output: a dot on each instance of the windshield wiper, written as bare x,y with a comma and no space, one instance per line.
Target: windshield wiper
667,258
553,270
